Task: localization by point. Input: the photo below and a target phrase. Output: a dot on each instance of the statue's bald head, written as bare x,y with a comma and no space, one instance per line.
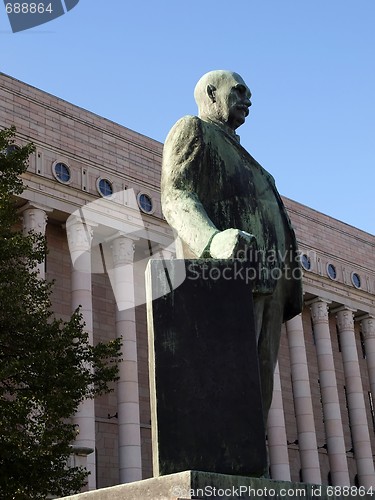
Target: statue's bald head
212,94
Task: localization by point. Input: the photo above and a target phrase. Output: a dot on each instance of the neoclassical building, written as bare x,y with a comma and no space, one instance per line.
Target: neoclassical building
93,189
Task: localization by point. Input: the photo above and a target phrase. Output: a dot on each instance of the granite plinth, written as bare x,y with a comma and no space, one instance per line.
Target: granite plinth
204,485
206,403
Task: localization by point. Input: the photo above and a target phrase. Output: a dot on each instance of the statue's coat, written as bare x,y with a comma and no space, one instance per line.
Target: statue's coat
211,183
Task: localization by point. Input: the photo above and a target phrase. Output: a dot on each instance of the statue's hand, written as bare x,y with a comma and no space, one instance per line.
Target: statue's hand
231,244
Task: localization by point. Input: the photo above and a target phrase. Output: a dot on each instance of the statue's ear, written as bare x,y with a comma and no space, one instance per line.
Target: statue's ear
211,92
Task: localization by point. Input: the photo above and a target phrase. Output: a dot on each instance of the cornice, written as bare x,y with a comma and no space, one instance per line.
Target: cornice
78,119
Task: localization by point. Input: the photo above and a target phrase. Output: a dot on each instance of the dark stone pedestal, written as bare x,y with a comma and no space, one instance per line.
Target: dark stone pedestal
204,379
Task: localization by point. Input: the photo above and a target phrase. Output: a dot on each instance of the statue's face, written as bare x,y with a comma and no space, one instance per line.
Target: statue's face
232,98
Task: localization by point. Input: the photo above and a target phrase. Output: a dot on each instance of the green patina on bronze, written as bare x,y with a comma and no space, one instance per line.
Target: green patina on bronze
221,202
211,184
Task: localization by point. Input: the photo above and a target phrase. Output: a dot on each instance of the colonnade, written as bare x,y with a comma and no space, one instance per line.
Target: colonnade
80,239
122,278
80,236
332,413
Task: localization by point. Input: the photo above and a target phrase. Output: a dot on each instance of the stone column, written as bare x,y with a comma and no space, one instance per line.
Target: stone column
355,399
130,459
308,447
368,331
79,239
276,434
330,399
35,219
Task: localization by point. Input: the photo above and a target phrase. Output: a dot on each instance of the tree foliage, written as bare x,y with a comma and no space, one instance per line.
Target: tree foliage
47,366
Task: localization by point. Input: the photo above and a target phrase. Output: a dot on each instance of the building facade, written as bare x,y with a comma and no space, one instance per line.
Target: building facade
93,189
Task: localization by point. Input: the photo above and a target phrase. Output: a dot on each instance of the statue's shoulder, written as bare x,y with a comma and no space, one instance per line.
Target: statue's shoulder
183,144
187,126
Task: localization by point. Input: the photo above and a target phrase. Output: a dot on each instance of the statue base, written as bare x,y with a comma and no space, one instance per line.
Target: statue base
206,408
209,486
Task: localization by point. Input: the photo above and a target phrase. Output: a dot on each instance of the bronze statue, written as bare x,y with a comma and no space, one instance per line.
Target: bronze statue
222,202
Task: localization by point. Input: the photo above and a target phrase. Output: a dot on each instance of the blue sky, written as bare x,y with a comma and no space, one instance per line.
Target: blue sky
310,66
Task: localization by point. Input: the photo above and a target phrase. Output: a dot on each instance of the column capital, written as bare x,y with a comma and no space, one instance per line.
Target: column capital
76,219
341,308
363,316
79,235
34,217
121,234
345,318
368,327
123,249
31,205
316,300
319,309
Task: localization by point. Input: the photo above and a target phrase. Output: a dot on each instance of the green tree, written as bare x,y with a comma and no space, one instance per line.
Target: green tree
47,366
